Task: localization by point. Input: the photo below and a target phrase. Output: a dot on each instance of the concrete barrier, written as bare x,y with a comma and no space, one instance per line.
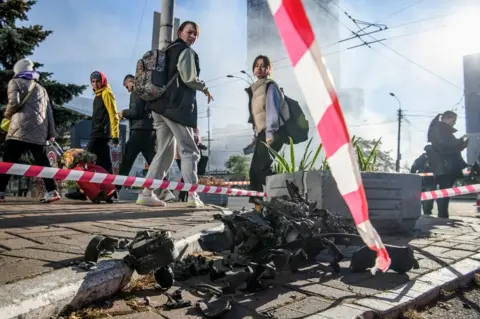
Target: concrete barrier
393,198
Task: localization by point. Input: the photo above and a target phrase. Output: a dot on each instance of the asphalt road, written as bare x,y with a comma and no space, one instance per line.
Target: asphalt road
237,202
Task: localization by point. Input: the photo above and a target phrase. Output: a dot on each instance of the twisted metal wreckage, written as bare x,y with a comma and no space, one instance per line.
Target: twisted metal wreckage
289,232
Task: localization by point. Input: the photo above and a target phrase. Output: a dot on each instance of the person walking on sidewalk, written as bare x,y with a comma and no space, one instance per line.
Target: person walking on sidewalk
31,124
175,115
422,165
142,135
105,122
202,163
266,104
445,155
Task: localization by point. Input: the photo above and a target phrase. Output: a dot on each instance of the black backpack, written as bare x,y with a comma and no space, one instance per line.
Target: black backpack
297,126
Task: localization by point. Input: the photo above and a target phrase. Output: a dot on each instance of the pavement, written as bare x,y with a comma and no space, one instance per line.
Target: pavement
39,242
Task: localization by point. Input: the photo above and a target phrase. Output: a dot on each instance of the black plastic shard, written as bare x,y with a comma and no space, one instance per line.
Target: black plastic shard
403,259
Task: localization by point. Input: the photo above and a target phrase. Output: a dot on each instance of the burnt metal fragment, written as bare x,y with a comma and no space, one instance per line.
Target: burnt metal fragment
98,245
402,259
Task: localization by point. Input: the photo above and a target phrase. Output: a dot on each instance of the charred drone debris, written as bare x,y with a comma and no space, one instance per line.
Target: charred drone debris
289,233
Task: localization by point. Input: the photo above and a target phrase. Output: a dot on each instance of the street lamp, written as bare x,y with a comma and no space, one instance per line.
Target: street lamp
244,72
237,77
400,116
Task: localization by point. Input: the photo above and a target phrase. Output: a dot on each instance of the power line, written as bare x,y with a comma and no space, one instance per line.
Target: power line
138,31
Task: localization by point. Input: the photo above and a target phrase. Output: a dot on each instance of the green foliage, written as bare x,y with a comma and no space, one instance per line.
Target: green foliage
367,158
19,42
281,165
238,165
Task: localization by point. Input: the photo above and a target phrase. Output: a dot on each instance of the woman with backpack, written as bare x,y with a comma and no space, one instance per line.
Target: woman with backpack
175,115
445,155
31,124
267,108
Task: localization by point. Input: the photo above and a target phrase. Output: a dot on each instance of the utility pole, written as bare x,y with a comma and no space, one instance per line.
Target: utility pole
399,156
209,139
399,119
166,23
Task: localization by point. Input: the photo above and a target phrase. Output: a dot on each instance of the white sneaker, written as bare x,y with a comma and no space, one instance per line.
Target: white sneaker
165,195
150,200
51,197
194,201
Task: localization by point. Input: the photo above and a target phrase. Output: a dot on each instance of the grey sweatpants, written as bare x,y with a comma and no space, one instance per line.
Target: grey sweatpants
169,133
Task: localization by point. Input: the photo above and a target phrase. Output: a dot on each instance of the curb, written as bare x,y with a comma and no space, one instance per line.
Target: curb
47,295
416,293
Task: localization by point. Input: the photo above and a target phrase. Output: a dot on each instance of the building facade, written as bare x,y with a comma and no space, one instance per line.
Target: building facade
471,75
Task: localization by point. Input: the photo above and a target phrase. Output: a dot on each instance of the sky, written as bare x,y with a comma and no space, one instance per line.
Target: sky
421,63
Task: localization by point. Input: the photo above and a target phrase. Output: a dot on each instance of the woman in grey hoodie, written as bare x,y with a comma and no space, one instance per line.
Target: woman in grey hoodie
31,124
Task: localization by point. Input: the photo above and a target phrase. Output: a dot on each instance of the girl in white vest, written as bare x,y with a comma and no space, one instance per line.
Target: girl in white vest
266,104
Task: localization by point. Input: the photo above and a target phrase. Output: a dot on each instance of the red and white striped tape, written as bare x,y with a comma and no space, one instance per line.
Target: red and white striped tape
129,181
450,192
465,173
238,183
317,86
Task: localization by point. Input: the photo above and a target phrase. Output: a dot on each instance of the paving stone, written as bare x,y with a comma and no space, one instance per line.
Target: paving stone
141,315
430,264
7,260
36,235
454,276
421,242
270,299
457,254
45,255
345,285
24,268
6,236
446,244
433,250
387,303
322,290
345,311
384,281
301,308
52,246
469,247
118,307
17,243
422,293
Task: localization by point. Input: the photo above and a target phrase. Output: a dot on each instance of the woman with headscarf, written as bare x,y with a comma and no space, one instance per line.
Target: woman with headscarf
445,155
31,124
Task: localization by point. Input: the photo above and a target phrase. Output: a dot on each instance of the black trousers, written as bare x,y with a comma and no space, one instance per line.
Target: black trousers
140,141
430,184
14,150
100,147
261,165
444,181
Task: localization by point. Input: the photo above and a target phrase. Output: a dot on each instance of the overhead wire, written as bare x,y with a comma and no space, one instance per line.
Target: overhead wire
138,31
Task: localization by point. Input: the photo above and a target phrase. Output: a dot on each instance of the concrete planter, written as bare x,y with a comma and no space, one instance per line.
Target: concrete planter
393,198
214,199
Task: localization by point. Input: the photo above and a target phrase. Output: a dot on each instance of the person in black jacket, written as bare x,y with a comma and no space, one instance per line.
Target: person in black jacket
422,165
175,115
142,135
445,155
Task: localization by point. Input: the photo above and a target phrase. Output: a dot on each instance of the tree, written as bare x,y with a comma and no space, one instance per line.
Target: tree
19,42
385,162
238,165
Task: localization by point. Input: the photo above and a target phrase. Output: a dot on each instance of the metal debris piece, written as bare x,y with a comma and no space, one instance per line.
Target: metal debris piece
214,309
150,251
164,277
402,257
98,245
191,266
176,301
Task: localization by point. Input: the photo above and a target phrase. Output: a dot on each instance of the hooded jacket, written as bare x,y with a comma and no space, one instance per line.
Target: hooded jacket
31,122
140,118
105,123
445,155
